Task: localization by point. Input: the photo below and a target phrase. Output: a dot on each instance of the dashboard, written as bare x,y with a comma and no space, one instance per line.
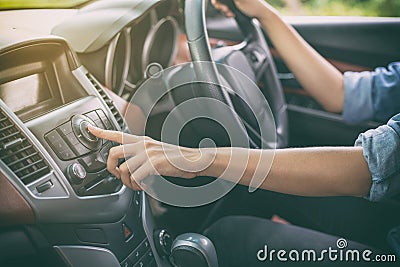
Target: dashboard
119,55
54,81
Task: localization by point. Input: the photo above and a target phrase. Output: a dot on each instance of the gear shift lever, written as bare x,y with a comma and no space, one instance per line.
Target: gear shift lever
193,250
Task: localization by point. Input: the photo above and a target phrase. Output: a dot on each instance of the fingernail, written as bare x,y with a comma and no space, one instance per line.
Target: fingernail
90,127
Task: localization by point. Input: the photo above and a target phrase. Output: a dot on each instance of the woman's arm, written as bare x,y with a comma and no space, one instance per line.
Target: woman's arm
308,171
318,77
321,171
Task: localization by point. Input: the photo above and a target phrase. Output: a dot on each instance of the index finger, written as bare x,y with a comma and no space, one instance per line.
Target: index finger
114,136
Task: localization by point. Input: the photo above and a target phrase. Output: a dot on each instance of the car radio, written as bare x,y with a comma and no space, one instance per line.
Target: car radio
72,138
57,107
85,153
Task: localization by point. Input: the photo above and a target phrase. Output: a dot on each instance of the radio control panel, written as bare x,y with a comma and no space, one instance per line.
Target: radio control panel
83,156
72,138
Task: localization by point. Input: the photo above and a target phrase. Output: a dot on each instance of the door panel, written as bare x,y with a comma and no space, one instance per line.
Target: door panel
350,44
362,41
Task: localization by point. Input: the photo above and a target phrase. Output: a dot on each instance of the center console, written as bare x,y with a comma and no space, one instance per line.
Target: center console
47,102
87,155
81,156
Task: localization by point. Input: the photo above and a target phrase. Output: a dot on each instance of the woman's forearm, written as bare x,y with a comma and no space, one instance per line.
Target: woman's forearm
317,76
308,172
328,171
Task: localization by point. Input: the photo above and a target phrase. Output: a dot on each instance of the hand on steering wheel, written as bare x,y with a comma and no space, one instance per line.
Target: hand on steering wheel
250,8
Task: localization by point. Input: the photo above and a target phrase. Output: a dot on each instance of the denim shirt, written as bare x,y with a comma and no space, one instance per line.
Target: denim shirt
376,96
372,95
381,149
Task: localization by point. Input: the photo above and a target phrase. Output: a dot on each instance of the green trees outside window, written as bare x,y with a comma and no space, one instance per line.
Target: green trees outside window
374,8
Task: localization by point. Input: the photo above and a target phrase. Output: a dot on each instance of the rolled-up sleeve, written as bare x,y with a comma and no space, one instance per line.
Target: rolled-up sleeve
381,149
372,95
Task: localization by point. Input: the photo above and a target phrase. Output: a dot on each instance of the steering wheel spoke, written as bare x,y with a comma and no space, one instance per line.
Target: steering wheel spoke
252,58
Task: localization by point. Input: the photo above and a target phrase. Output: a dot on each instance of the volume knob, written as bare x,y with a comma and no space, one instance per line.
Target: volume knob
80,125
76,173
83,127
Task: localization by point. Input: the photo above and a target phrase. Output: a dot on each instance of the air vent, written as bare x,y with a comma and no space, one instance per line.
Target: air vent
19,154
108,101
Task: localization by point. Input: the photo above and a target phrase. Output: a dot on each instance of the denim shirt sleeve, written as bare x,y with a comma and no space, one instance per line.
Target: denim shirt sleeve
372,95
381,149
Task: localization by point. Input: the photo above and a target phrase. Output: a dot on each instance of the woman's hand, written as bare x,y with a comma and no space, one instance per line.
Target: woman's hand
251,8
145,156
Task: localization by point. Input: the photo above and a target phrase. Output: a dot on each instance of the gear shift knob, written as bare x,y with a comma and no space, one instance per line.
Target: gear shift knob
193,250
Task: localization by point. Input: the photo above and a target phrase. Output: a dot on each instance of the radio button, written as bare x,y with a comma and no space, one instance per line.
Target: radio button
44,186
59,146
52,137
85,131
80,149
92,115
80,128
107,124
95,118
65,128
71,138
66,154
105,120
76,173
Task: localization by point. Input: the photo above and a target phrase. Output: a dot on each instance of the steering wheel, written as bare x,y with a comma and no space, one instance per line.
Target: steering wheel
253,58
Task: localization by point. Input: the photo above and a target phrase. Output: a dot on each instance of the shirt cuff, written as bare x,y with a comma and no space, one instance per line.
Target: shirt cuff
358,104
381,151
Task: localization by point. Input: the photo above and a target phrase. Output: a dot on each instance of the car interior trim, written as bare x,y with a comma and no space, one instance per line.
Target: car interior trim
151,38
110,77
14,209
28,191
149,228
101,23
87,256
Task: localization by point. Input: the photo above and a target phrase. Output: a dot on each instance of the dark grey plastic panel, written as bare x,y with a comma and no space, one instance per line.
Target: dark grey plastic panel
149,227
82,256
362,40
96,24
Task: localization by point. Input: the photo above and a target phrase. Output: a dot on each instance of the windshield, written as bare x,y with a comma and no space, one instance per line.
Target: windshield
17,4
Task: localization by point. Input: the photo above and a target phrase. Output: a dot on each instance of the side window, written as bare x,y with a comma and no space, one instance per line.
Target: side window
370,8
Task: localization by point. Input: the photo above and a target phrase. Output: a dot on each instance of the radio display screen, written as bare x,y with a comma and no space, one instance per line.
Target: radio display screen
26,92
